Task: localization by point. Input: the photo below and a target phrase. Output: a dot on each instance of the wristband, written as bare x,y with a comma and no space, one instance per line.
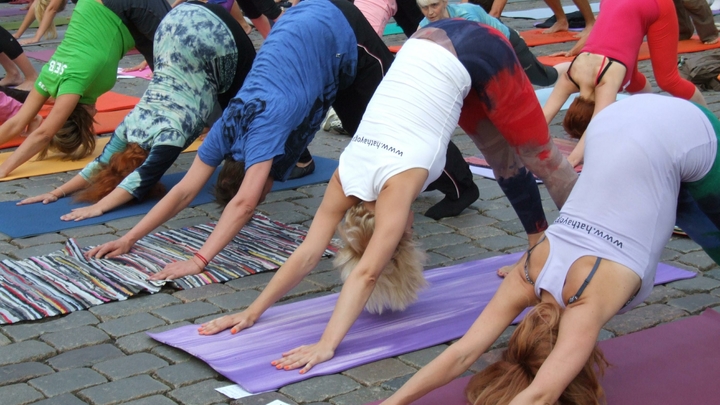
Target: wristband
202,259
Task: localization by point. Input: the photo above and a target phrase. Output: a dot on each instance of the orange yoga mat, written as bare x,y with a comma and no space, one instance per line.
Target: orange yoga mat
687,46
55,164
536,37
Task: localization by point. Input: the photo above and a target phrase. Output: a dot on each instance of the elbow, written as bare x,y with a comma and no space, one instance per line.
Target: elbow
242,208
365,278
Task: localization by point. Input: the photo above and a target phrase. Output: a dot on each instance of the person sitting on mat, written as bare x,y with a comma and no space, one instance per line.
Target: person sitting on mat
539,74
83,67
391,159
598,258
608,63
15,62
195,70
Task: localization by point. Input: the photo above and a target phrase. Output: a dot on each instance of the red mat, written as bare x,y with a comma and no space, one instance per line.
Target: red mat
675,363
536,37
565,146
686,46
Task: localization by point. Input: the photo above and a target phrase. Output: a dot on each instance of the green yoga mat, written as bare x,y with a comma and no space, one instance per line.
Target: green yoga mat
13,25
392,29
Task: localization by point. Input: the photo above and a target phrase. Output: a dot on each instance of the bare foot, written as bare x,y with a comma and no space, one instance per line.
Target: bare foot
27,85
711,42
11,80
557,27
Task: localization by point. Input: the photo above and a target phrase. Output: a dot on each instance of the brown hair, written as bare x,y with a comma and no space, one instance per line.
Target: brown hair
76,138
401,279
229,180
120,166
578,117
529,346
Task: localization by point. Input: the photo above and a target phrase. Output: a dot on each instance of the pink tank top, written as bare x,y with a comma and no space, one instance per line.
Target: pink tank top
620,29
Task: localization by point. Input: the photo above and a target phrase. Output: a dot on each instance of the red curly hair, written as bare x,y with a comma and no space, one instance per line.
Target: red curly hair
120,166
578,117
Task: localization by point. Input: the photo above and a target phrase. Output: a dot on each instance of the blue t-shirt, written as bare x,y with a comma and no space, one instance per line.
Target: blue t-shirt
473,12
276,116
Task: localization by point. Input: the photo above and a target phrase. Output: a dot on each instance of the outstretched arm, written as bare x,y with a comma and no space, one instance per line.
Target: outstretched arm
391,213
75,184
29,18
178,198
559,95
38,139
301,262
514,295
605,94
46,22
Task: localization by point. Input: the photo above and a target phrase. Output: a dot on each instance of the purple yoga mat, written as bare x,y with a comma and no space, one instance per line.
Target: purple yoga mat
43,55
442,313
8,12
672,364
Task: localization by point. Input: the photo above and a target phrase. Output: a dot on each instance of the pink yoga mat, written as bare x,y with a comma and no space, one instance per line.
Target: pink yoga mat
442,313
45,54
672,364
8,12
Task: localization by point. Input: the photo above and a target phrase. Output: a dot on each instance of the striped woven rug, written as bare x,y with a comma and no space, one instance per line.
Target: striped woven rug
65,281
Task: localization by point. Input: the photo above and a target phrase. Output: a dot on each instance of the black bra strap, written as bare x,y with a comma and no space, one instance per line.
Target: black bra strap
586,282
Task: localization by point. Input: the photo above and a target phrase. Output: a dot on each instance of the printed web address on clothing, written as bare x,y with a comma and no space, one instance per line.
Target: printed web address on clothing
377,144
591,230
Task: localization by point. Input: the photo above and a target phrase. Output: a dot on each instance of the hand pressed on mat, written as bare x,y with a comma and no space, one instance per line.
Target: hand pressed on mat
238,322
178,269
78,214
305,356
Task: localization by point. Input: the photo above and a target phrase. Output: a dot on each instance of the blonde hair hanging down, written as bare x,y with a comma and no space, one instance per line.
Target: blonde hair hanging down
400,281
40,7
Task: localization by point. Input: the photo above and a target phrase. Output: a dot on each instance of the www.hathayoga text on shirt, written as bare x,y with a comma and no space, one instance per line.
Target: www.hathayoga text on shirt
591,230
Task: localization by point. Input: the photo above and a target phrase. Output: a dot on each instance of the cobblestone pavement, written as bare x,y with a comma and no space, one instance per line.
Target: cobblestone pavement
102,356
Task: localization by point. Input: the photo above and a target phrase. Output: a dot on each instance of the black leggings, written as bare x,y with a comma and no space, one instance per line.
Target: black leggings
539,74
142,18
255,8
9,45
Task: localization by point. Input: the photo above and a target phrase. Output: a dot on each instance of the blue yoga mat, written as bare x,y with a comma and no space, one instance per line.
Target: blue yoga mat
392,29
544,94
35,219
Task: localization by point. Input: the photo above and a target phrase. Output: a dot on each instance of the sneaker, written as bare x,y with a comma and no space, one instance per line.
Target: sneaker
329,119
337,128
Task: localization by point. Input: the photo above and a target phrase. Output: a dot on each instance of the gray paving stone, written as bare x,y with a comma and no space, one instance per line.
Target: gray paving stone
698,260
202,393
422,357
123,390
183,312
133,306
669,254
695,303
314,191
379,371
263,399
123,224
512,227
361,396
153,400
123,367
683,245
44,239
35,329
65,399
67,381
643,318
481,232
86,231
75,338
468,221
715,273
486,359
311,203
95,240
182,374
285,195
328,279
22,372
697,284
4,341
503,214
40,250
502,242
504,337
24,351
435,260
248,282
396,383
130,324
661,294
437,242
7,248
186,222
141,342
19,394
430,228
235,301
203,293
171,354
605,335
461,251
305,287
319,388
85,357
303,297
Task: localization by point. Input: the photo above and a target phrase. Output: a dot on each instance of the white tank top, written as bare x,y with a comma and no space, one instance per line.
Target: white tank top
622,208
408,122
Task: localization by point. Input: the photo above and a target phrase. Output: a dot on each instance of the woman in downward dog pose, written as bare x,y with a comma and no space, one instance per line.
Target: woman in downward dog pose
608,63
195,71
598,258
390,160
